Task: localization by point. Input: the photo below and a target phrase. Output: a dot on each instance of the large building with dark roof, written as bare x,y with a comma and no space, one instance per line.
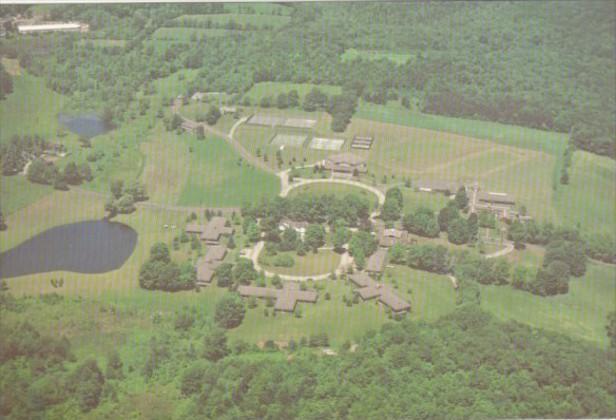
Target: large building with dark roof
286,298
367,289
346,163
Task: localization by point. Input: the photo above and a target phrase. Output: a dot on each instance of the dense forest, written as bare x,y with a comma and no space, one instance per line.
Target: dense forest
467,365
543,65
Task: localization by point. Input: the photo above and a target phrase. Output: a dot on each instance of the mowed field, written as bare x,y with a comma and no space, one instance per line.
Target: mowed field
338,190
32,108
323,262
218,177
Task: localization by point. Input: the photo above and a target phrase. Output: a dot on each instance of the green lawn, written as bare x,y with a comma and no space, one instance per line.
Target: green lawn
32,108
217,177
352,54
16,192
413,199
581,313
590,199
311,264
510,135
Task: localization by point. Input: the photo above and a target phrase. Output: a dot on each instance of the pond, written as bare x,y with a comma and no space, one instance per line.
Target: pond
87,125
94,246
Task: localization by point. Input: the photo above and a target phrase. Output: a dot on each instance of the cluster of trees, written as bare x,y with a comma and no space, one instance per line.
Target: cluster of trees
416,360
232,275
472,267
230,311
36,377
362,245
433,258
393,206
19,150
6,82
349,210
422,221
42,172
159,272
600,246
282,101
123,198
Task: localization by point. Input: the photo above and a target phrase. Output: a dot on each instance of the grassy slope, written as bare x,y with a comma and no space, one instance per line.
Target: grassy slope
590,199
581,313
30,109
16,192
217,178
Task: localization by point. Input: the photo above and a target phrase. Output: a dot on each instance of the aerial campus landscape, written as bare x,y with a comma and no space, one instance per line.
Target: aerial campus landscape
308,210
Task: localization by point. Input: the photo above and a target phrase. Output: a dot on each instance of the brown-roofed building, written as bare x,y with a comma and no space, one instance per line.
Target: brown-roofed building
445,187
205,273
286,298
361,279
345,162
376,262
495,198
215,253
194,228
215,229
370,289
389,298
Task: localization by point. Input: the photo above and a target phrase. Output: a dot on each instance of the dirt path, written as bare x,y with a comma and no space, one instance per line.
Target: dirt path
507,250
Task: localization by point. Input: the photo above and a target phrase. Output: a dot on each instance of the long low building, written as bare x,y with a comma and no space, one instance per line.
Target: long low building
52,27
488,197
367,289
445,187
376,262
212,231
286,298
345,162
206,266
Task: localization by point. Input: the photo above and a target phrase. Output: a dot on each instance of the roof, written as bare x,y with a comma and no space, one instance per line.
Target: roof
394,233
194,228
495,197
376,262
361,279
49,27
450,186
286,298
389,298
215,228
205,272
215,253
369,292
346,158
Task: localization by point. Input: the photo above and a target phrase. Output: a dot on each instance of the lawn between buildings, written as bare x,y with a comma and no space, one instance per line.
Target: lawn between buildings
324,261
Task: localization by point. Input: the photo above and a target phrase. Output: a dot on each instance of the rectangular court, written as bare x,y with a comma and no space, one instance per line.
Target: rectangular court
321,143
292,140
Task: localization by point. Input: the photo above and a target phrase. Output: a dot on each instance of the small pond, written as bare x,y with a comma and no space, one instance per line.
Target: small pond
87,125
94,246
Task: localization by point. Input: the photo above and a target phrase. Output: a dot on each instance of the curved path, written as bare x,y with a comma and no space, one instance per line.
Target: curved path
506,250
253,254
288,187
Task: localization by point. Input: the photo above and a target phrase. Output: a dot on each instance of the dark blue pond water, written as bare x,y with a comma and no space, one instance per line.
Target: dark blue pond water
95,246
87,125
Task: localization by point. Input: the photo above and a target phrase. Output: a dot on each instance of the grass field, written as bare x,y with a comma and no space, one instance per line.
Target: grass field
339,190
167,165
311,264
272,89
218,178
581,313
101,43
590,199
259,21
413,199
352,54
32,108
16,192
509,135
